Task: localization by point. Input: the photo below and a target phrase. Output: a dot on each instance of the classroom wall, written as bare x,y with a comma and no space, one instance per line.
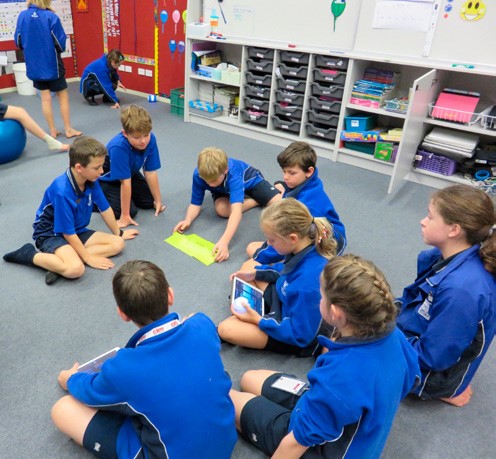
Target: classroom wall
142,31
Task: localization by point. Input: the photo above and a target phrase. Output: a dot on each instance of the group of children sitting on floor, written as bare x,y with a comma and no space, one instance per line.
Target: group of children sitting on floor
371,350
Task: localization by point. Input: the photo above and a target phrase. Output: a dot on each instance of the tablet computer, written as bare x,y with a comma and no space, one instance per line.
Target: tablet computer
253,295
95,365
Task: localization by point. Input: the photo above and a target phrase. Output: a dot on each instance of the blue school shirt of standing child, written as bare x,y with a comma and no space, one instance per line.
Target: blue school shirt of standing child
123,161
240,177
39,33
449,316
311,193
296,319
65,209
355,390
170,382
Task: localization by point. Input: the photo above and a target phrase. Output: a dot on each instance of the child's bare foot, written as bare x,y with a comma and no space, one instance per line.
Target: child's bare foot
459,400
55,134
64,147
72,133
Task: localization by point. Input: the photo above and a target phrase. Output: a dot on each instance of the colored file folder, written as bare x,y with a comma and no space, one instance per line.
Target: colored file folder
457,107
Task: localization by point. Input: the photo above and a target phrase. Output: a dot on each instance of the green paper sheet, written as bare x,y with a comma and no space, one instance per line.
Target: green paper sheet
194,246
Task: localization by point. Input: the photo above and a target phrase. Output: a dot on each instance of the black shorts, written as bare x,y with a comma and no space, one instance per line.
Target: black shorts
273,345
3,110
262,192
100,437
265,419
53,85
50,244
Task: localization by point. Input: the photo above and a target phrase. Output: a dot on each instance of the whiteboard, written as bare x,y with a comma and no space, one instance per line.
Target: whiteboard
454,39
307,24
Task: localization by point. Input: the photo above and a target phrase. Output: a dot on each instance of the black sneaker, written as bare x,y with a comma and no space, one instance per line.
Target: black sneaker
91,100
51,277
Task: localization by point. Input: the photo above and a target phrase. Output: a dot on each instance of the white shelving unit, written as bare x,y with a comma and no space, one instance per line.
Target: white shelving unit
422,83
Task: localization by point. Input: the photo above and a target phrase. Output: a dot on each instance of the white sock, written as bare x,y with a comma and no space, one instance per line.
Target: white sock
53,144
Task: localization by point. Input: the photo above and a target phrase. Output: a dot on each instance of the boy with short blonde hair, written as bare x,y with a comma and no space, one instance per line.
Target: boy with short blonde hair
228,180
132,150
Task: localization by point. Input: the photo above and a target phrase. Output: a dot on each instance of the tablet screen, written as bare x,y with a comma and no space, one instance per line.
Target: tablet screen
253,295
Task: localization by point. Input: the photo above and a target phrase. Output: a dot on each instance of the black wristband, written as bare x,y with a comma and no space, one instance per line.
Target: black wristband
121,232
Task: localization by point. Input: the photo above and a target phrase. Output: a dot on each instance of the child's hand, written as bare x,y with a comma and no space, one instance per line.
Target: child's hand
159,207
115,106
248,276
182,226
120,85
64,375
97,262
129,234
125,221
221,251
250,315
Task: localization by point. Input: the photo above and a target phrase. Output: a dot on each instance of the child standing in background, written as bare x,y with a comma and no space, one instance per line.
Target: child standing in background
229,180
39,33
132,150
291,289
449,313
101,77
354,389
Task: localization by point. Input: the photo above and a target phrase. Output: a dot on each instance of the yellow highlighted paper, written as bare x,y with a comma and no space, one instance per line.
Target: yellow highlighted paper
194,246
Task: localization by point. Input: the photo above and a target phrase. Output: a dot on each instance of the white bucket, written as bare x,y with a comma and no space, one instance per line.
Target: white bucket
24,84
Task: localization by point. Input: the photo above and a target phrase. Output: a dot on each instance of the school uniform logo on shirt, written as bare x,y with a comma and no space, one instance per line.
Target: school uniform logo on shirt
284,287
424,309
90,201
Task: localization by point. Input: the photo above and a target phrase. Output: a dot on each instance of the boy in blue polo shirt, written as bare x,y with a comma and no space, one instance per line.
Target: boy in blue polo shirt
60,228
302,182
165,395
229,180
129,152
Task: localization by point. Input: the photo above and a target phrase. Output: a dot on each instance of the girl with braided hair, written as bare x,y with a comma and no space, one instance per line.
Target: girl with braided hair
354,389
449,313
291,288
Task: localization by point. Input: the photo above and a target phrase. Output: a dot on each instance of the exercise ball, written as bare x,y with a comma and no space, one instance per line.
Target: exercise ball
12,140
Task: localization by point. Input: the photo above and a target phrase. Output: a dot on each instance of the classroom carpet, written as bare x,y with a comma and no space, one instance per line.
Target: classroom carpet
46,328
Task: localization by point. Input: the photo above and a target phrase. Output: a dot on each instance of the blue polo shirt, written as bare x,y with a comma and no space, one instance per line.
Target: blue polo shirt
65,209
124,161
240,177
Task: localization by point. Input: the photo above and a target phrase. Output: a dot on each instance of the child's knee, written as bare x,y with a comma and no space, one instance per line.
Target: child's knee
251,248
74,271
60,409
225,329
118,244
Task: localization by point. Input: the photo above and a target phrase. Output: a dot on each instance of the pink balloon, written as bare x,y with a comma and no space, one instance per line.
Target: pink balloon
176,16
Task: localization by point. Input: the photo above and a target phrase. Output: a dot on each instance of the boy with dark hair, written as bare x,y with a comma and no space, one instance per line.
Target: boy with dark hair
301,181
133,149
166,394
101,77
60,228
229,180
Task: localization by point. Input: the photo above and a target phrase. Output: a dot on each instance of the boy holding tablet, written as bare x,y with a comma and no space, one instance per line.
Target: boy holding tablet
138,404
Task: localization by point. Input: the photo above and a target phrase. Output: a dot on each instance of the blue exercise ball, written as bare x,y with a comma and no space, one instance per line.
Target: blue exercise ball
12,140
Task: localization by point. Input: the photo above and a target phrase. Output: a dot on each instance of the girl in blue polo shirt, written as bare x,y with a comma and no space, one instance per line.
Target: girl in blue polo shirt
291,288
353,392
449,313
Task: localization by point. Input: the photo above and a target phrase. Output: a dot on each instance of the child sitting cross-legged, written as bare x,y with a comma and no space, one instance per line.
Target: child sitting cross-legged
353,390
291,288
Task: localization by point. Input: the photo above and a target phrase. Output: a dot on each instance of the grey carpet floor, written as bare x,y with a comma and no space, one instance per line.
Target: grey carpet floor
45,329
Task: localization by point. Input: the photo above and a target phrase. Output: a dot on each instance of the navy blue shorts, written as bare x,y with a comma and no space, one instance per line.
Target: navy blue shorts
265,419
50,244
262,192
3,110
100,437
53,85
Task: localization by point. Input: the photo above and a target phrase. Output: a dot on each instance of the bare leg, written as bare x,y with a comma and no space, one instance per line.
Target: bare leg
223,206
66,115
21,115
72,417
65,261
47,108
252,381
235,331
252,247
104,244
239,399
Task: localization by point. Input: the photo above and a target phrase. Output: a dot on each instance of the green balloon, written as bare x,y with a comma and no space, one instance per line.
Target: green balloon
337,9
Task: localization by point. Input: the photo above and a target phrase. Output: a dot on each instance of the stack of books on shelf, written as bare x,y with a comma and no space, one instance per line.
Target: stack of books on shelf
227,96
375,88
206,91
